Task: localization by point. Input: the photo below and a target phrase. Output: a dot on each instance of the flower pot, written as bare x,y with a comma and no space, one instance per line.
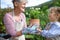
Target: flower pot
35,21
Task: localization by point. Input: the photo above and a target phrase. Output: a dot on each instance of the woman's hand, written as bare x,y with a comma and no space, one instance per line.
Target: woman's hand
19,33
38,29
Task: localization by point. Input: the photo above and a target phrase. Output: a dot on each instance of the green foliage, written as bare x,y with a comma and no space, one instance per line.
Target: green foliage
38,13
34,37
34,13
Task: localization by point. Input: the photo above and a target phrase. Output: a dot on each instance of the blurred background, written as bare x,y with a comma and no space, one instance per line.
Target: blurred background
35,9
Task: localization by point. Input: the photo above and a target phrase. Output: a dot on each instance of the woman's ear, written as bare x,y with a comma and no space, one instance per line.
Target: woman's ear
15,4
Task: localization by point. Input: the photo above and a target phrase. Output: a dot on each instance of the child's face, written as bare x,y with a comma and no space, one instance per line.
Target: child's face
52,16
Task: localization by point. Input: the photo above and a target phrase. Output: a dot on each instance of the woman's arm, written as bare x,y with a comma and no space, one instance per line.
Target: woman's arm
9,25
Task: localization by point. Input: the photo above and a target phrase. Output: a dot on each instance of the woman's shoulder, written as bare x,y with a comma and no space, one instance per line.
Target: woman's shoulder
8,17
8,14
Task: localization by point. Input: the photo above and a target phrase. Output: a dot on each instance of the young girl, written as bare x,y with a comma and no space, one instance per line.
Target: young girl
52,31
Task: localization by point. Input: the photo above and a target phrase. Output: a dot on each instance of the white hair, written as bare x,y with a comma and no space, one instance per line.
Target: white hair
19,1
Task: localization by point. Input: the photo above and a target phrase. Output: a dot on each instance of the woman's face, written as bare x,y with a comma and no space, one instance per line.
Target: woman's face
52,16
21,6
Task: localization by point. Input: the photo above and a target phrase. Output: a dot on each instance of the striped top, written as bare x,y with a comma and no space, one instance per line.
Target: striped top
53,32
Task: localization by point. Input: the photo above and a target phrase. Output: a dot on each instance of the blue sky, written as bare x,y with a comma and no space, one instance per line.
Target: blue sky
8,3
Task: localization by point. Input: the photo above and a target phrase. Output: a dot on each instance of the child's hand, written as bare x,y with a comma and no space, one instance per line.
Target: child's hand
30,25
38,29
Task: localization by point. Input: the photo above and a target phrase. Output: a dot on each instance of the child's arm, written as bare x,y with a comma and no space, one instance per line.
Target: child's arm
53,32
47,26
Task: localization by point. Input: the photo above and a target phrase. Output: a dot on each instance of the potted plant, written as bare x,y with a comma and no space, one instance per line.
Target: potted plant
34,15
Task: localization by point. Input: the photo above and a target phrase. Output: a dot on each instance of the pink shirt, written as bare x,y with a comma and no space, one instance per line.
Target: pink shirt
9,23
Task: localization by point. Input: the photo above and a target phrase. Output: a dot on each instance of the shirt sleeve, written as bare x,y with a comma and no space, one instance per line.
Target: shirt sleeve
47,26
9,25
53,32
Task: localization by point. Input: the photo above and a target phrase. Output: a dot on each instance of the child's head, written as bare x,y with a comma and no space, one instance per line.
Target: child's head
53,16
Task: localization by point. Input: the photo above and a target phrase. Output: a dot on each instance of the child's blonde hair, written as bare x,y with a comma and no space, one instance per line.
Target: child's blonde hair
53,9
56,10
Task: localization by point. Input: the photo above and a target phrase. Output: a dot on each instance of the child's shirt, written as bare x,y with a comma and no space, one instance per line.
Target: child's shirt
48,25
54,30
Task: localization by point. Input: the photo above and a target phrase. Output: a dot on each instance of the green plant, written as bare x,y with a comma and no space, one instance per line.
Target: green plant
34,13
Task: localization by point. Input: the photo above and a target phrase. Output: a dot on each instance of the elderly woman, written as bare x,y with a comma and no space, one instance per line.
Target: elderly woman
15,21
